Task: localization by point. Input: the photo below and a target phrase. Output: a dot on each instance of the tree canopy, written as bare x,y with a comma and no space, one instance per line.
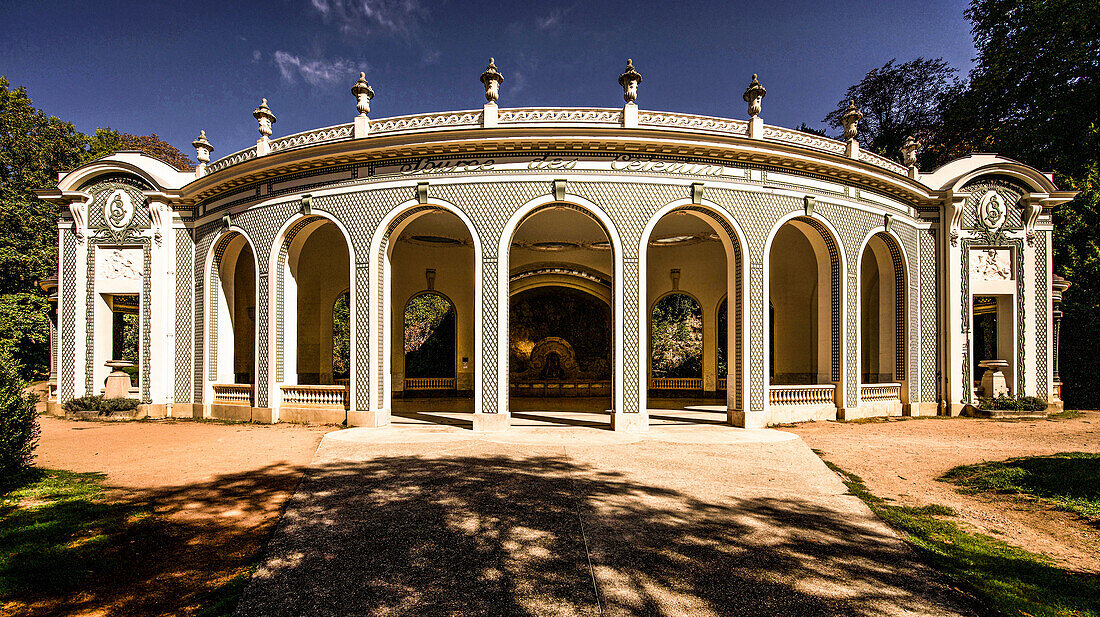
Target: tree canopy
898,101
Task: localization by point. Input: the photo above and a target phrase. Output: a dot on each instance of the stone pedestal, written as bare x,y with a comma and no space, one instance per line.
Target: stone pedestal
993,381
118,382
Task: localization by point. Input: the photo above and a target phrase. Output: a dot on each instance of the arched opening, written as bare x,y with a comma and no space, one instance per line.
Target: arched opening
882,325
676,338
341,339
560,318
429,342
693,265
313,362
432,318
232,327
804,321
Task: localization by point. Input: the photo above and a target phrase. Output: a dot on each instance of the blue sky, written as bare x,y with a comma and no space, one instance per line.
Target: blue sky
176,67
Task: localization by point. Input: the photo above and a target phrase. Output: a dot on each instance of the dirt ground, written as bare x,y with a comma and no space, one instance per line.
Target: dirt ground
902,459
215,489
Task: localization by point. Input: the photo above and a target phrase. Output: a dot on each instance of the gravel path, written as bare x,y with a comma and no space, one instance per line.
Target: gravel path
690,520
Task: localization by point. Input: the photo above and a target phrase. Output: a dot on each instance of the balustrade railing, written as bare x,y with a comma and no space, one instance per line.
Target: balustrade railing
233,393
880,392
802,395
430,383
676,383
722,383
345,381
315,396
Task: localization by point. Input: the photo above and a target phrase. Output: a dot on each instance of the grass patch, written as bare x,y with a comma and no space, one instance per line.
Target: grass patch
59,533
1065,414
1009,579
1069,481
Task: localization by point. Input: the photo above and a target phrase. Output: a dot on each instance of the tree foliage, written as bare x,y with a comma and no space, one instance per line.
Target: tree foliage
18,421
899,100
677,337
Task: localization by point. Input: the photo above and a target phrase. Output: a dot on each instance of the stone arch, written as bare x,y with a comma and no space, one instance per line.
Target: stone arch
894,254
283,285
232,241
380,309
830,259
734,241
601,218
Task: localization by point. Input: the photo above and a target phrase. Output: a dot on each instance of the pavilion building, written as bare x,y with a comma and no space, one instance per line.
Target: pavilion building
486,255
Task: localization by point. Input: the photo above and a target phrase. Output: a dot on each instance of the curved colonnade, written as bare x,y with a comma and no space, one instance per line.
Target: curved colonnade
838,275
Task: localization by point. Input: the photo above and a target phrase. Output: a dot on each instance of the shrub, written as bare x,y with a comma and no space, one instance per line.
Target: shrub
112,405
1011,403
84,403
18,421
101,405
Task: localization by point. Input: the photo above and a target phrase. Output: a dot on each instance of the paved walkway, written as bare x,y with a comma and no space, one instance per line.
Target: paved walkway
426,518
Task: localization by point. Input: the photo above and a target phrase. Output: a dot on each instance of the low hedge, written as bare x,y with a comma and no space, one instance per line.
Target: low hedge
100,405
1011,403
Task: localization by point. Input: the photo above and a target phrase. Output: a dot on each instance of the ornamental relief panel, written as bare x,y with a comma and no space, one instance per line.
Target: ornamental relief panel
991,264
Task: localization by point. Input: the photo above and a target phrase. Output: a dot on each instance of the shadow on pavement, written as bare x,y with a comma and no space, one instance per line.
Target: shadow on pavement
497,535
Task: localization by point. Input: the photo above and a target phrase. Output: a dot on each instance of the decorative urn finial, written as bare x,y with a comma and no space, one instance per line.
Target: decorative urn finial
629,80
753,95
202,148
363,94
850,120
264,116
909,151
492,79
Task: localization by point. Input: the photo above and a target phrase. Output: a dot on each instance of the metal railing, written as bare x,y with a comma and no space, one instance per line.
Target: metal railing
880,392
676,383
430,383
802,395
233,393
315,396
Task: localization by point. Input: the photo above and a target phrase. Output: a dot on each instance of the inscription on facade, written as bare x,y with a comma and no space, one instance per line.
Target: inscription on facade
623,163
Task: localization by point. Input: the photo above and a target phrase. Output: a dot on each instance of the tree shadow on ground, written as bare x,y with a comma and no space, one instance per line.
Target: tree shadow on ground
412,535
161,552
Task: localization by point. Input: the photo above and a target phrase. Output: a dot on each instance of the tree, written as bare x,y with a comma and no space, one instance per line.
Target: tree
899,100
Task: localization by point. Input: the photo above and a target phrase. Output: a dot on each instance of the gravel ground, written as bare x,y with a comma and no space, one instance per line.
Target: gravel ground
902,459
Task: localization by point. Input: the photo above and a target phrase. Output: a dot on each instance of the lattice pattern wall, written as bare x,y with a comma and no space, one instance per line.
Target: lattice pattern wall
930,323
184,315
1042,315
66,378
489,206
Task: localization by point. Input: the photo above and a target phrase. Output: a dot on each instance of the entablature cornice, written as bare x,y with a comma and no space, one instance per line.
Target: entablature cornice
485,143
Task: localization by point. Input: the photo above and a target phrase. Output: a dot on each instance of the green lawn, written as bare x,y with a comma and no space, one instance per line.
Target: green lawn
66,547
1069,481
59,533
1006,578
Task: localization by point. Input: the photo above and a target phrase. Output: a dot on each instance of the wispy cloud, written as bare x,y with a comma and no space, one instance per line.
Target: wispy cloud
363,16
553,19
316,71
